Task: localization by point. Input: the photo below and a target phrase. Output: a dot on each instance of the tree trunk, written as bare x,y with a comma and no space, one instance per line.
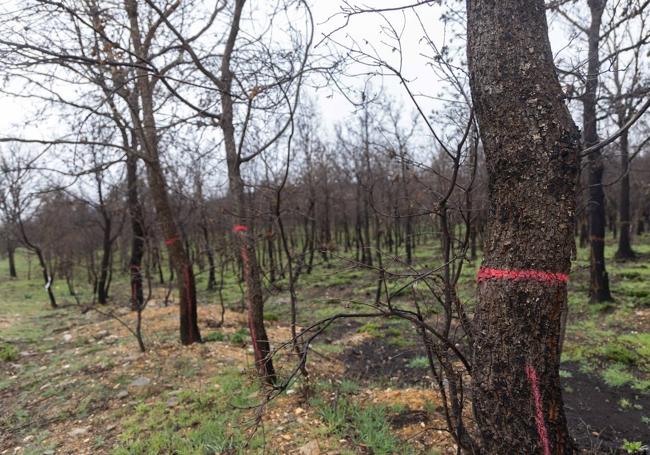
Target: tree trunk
137,232
11,254
624,245
102,288
599,289
531,147
148,135
244,239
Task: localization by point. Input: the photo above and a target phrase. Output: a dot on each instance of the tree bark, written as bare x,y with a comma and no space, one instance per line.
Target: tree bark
137,232
107,244
179,258
531,146
625,251
11,254
244,238
599,289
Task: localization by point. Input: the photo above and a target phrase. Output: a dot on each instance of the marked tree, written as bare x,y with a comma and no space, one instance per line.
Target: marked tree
531,148
148,136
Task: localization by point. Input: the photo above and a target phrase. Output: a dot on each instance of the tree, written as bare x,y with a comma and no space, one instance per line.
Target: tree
531,147
605,19
17,203
625,92
149,138
599,290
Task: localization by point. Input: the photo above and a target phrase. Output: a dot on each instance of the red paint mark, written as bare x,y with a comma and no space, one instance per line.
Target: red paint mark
170,242
240,228
539,411
486,273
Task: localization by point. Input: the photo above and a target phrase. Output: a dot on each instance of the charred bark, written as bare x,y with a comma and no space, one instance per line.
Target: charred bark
531,146
625,251
147,132
599,289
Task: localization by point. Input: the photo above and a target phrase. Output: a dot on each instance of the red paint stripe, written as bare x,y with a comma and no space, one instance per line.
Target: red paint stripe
539,410
240,228
171,241
486,273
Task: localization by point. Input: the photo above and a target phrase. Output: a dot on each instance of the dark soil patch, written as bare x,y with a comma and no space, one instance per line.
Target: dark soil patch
376,359
596,418
408,417
338,329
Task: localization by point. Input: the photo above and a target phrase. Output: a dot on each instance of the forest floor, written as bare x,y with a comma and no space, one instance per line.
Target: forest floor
75,383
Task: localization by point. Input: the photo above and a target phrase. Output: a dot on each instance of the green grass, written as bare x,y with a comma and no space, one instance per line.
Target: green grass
214,336
205,421
366,425
8,352
418,362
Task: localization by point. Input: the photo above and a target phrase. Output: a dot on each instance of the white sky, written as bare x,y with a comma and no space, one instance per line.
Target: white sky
333,107
365,29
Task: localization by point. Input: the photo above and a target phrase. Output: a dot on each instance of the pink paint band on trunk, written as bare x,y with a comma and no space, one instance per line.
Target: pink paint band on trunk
170,242
486,273
531,374
240,228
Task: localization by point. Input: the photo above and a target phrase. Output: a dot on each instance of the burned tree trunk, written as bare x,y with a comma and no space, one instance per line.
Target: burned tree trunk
244,238
599,290
531,147
107,246
148,136
625,220
137,232
11,255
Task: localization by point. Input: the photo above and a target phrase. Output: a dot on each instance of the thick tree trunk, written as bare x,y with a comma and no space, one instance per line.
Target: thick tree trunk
599,290
624,244
531,148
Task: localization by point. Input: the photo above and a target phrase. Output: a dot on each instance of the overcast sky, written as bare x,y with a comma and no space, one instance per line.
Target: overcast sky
365,30
333,106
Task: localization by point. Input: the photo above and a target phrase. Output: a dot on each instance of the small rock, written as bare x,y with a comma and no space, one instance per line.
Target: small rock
79,431
311,448
122,394
67,337
111,339
101,334
141,382
173,401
